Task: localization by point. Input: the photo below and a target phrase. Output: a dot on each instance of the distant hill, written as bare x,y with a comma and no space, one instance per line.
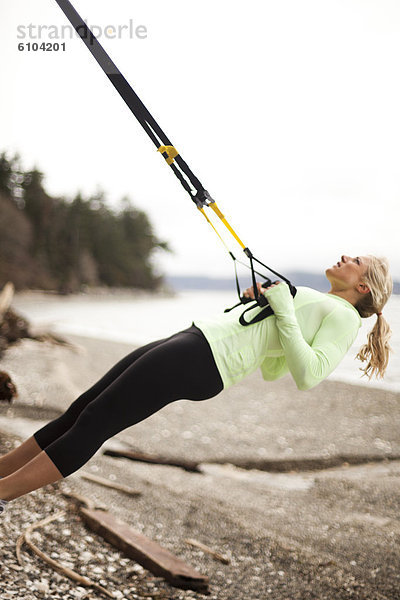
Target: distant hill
300,278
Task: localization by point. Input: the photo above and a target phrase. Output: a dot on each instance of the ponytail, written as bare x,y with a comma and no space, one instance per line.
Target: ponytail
376,351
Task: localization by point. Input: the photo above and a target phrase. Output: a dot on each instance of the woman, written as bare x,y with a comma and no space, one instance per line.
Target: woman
308,336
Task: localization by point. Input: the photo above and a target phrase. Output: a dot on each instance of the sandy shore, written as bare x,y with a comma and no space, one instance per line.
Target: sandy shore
330,533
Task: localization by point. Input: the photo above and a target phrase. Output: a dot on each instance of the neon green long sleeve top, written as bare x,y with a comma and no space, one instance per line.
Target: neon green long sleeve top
307,335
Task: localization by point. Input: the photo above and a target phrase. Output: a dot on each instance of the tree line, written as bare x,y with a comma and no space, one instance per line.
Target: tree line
66,245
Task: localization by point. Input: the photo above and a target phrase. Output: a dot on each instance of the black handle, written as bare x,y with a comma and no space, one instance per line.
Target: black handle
266,312
262,301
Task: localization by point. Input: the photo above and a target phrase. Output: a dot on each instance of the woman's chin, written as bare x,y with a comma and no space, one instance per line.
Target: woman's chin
330,273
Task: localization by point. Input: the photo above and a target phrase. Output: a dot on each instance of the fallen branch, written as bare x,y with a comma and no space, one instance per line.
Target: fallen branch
78,498
54,339
216,555
107,483
188,465
26,537
18,547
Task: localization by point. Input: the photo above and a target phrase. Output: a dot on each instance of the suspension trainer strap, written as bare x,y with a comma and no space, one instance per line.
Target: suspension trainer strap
147,121
173,158
181,169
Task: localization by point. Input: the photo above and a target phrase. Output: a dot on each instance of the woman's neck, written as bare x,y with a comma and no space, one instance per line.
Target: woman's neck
350,295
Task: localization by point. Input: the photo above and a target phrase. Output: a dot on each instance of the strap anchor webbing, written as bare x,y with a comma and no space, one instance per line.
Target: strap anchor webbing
225,222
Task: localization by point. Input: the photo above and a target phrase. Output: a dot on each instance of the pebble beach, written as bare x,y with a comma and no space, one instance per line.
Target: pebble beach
291,533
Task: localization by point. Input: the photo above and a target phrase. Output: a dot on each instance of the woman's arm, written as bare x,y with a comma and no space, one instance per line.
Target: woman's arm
310,364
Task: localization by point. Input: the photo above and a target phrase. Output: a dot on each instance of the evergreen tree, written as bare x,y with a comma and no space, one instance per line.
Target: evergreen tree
54,243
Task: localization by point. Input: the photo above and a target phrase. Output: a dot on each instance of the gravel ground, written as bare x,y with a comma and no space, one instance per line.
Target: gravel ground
330,534
68,541
265,563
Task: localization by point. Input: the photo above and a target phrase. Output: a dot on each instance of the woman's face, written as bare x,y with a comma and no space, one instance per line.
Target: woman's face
348,272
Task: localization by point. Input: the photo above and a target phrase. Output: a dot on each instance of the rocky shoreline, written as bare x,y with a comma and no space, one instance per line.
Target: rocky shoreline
299,534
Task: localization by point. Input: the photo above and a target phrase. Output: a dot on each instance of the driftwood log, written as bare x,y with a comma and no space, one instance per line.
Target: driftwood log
14,327
8,388
6,297
149,554
187,465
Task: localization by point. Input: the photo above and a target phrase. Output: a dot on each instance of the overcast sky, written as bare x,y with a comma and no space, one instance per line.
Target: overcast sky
287,111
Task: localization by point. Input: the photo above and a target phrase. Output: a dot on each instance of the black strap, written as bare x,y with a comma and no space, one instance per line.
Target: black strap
189,181
266,312
259,299
147,121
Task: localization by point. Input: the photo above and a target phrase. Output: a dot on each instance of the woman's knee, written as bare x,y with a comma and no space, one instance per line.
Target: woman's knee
73,449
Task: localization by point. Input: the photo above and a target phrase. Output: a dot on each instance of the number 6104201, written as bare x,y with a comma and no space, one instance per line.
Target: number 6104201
44,47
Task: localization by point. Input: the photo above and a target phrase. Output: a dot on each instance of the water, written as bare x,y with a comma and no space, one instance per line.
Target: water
139,319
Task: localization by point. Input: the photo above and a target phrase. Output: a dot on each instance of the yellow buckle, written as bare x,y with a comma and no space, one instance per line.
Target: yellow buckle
170,151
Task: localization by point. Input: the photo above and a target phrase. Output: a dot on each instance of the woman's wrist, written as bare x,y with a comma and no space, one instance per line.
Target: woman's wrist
280,299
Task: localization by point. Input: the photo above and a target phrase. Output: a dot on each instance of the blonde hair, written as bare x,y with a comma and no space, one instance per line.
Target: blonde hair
376,350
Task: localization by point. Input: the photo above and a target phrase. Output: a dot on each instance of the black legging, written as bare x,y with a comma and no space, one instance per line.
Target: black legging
179,367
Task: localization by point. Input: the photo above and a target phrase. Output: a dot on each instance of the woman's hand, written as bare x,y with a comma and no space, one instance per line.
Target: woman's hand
249,293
